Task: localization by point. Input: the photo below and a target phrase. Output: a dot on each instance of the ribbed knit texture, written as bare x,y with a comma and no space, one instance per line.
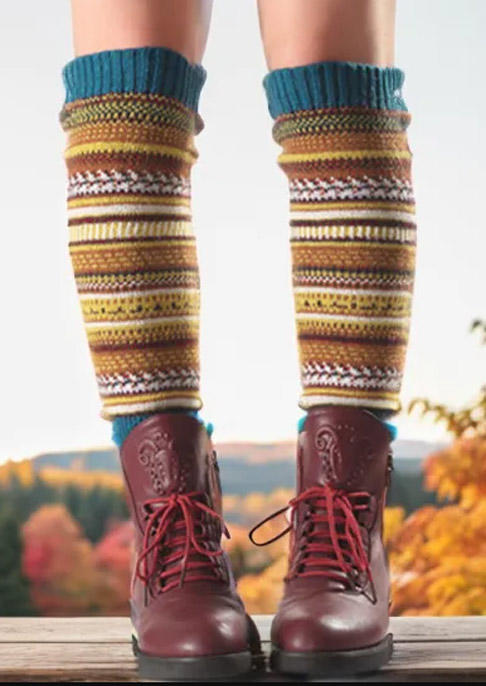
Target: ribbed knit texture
137,70
334,84
353,231
123,425
129,157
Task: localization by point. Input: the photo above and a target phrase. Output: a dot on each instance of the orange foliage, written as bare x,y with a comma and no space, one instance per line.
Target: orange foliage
438,556
56,476
459,471
58,561
22,470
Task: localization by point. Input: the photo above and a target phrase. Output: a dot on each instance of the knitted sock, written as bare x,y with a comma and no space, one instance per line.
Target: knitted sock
342,127
131,117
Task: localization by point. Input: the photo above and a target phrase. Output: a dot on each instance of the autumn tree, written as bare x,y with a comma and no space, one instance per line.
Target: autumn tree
58,561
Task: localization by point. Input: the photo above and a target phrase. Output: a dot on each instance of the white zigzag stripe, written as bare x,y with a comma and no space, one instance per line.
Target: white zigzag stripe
148,382
340,376
312,190
104,182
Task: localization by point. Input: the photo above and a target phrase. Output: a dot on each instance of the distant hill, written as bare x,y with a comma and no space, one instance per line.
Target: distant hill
106,459
260,467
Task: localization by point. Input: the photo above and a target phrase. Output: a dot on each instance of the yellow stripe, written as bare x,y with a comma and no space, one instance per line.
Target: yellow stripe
120,245
343,154
363,205
128,199
301,246
122,146
135,398
330,390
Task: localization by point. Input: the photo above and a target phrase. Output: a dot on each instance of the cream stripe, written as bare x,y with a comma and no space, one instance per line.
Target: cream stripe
307,401
137,294
140,322
127,230
351,214
354,204
147,406
396,233
352,291
103,210
301,317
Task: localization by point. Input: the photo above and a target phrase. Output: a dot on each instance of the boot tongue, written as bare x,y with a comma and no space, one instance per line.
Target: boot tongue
166,454
343,447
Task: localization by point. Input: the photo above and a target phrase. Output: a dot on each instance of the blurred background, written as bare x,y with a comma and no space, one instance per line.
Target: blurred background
65,542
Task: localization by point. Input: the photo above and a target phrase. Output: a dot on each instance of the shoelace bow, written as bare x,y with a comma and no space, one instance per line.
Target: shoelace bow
172,522
332,537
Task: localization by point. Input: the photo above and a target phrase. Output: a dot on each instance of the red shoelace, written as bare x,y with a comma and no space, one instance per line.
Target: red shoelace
331,539
176,523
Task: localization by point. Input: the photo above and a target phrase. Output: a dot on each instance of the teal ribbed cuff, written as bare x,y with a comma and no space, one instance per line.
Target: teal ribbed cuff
333,84
123,424
135,70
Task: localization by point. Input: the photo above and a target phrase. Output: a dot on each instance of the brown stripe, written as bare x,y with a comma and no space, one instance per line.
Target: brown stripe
109,218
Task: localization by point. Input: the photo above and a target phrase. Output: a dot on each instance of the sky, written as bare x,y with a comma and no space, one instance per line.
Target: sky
48,397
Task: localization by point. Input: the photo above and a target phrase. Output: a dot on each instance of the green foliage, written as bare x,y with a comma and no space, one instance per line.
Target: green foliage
93,508
14,588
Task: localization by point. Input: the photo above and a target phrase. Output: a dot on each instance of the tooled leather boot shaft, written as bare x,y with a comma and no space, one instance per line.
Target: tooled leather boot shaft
346,448
166,454
343,468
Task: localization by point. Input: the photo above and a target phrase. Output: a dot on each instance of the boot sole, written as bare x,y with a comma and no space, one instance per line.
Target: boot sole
192,668
333,664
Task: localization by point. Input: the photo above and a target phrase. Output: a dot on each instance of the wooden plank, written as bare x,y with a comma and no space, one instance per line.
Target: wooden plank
416,628
65,629
49,661
118,629
429,649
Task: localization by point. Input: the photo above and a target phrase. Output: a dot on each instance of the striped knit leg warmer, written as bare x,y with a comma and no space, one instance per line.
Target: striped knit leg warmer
342,128
131,117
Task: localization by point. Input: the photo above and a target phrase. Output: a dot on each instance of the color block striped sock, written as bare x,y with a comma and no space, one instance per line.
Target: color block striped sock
131,117
342,127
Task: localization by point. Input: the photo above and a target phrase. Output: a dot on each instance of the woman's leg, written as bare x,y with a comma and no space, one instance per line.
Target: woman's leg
131,118
296,33
341,121
129,159
181,25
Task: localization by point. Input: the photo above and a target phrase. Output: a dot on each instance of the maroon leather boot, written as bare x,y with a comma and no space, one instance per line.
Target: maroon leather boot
189,622
333,617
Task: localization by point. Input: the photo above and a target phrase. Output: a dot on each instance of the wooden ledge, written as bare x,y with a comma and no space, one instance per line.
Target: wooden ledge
99,649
